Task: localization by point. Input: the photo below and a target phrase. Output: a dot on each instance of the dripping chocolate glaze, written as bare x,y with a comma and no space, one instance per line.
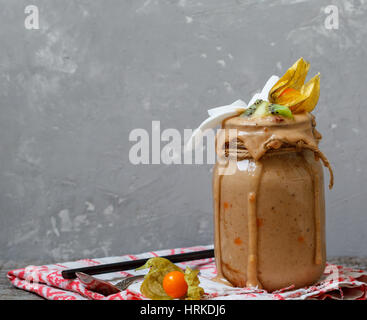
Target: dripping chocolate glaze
255,139
257,136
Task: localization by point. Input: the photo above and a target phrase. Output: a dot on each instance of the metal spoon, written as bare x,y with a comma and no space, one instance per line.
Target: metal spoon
104,287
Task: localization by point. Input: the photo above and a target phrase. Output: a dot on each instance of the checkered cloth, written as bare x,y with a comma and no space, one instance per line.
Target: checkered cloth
338,282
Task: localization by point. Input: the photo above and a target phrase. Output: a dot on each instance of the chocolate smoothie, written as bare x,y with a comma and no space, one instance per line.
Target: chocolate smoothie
269,214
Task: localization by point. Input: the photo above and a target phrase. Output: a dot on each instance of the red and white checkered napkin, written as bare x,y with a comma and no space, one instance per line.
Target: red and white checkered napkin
337,282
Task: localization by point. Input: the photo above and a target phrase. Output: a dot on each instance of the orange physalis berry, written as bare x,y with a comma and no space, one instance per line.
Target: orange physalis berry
288,91
174,284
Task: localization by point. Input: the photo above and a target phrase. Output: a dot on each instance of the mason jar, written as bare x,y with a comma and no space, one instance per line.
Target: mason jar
269,207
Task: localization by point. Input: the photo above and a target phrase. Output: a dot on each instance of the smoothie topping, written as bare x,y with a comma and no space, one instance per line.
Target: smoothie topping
263,108
292,92
289,94
278,102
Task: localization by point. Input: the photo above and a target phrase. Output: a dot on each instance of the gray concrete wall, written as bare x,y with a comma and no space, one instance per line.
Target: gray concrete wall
71,92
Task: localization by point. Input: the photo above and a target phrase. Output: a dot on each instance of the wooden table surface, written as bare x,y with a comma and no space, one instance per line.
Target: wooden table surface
8,292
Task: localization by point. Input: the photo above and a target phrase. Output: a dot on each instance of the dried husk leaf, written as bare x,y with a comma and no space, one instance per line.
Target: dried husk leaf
158,263
291,100
302,97
194,292
294,78
152,285
312,90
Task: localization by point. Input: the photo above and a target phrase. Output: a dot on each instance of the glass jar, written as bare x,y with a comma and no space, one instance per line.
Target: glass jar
269,207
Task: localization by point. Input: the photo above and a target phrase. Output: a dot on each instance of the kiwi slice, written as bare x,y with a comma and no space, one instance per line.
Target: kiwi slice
277,109
251,109
262,109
